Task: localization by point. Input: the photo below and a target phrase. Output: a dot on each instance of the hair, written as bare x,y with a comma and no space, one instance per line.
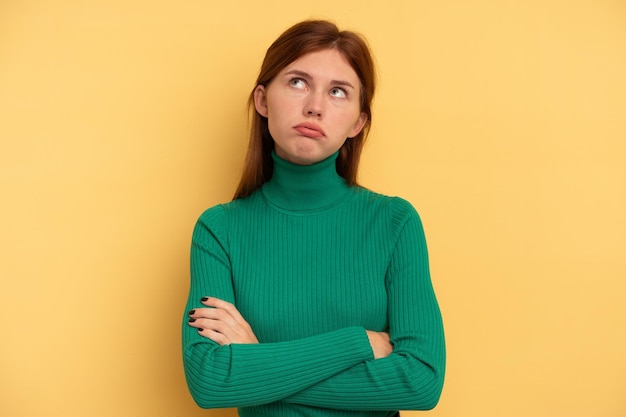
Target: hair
301,39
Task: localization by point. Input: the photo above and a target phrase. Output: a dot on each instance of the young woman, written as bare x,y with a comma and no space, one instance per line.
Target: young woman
310,295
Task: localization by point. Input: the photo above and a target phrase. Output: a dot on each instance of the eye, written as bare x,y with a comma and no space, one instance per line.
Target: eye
297,83
338,92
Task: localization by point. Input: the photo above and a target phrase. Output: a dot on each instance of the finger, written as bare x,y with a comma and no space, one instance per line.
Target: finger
192,322
226,306
235,333
211,313
217,320
224,318
215,325
211,327
217,337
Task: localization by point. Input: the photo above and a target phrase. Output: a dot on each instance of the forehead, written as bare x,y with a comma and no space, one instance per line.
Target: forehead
325,64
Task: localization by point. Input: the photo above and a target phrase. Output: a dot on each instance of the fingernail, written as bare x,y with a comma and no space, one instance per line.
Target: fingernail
192,320
200,330
191,312
204,298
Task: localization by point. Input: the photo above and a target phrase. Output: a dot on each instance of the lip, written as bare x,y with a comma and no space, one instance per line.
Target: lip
310,130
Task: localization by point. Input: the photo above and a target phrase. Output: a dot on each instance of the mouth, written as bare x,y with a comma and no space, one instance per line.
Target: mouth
310,130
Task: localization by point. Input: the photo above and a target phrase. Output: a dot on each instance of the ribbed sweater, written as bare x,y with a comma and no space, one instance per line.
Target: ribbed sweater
311,263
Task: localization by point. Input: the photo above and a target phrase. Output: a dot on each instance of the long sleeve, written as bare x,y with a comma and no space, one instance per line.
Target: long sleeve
240,375
312,263
411,378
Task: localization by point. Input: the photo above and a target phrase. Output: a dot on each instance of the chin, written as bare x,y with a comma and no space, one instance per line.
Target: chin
302,158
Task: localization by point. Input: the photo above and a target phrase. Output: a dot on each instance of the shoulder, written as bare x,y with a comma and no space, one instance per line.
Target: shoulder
211,225
396,207
219,213
218,217
212,215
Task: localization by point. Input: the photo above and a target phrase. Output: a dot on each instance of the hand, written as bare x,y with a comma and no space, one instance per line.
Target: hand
221,322
381,344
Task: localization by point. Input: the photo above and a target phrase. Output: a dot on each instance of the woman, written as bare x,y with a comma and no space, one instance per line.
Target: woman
310,295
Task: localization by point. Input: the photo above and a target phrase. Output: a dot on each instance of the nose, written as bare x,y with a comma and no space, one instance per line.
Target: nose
314,105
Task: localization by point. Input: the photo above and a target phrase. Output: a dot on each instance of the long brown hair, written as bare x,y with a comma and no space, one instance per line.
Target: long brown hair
301,39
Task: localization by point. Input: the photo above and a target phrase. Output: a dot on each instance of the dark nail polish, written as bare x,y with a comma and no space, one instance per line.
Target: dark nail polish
192,320
204,298
200,330
191,312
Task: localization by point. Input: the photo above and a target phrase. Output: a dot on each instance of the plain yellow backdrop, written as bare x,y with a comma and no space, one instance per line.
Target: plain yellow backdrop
503,122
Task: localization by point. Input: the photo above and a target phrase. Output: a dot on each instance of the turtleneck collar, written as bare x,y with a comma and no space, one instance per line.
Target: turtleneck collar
305,187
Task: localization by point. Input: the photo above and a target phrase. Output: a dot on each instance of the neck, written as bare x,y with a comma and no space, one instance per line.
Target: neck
305,187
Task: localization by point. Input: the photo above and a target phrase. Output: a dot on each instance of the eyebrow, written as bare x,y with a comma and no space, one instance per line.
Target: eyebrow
304,74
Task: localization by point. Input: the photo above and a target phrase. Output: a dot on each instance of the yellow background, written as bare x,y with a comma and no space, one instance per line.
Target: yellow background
503,122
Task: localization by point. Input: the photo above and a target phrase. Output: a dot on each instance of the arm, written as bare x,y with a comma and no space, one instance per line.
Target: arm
411,378
224,324
238,375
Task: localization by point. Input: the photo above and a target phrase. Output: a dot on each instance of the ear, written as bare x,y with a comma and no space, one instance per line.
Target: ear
260,100
358,126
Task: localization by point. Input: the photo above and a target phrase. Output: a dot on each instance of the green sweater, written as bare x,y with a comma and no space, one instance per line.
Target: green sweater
311,263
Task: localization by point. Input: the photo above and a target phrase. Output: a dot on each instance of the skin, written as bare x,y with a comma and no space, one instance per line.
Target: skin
222,323
320,90
312,107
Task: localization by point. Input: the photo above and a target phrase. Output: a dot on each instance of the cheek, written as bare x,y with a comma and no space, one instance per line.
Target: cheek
350,117
275,123
277,108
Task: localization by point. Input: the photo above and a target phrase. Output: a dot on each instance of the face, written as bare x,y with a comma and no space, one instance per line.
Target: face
312,107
